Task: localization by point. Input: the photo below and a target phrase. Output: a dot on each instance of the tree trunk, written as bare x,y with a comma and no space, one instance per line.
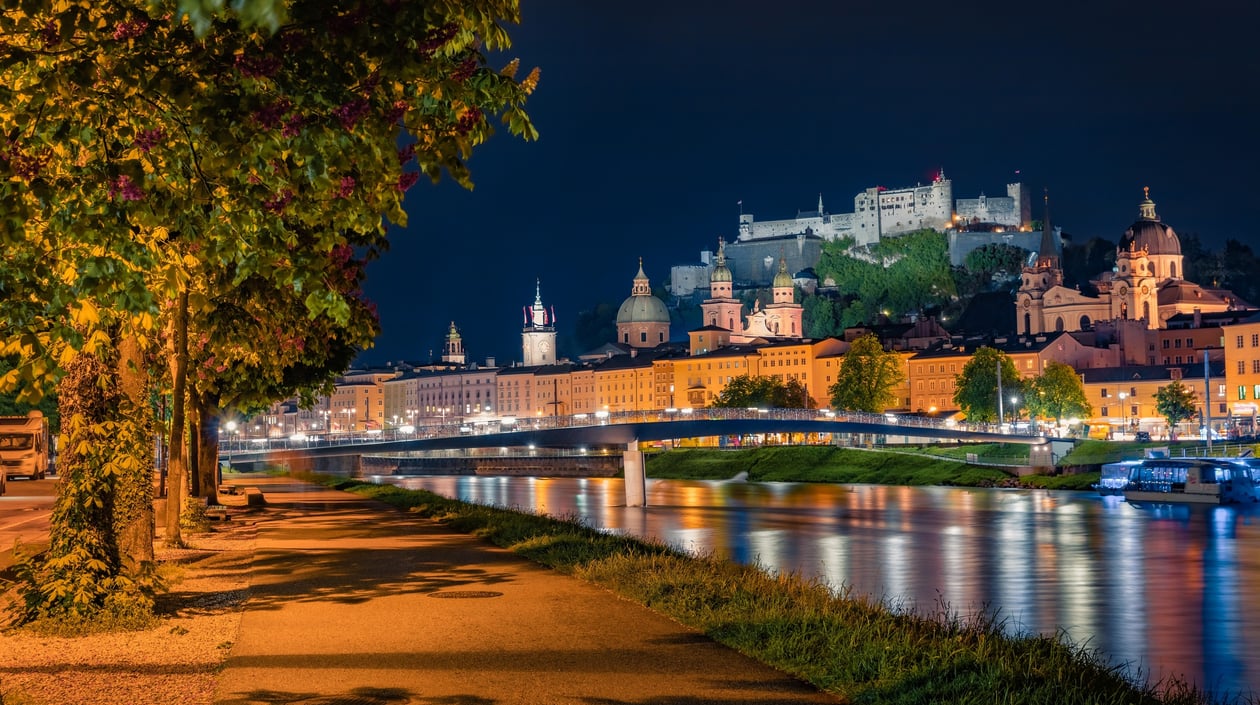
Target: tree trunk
177,464
193,414
208,451
133,495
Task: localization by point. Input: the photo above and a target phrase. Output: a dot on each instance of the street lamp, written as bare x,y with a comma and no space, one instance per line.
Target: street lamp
1124,413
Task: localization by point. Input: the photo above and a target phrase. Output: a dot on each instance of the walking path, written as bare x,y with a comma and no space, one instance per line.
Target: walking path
355,603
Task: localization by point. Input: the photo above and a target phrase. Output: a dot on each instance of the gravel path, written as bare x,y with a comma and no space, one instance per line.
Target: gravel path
175,663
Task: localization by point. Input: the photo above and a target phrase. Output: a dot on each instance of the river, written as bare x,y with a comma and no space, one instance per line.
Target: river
1164,590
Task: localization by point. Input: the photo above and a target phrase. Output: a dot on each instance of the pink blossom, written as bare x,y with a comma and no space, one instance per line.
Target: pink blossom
123,187
468,121
351,113
407,179
345,188
435,38
293,126
464,70
269,116
130,29
397,112
406,154
257,66
277,205
148,139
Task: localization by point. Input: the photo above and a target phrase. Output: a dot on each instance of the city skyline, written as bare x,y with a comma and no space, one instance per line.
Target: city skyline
656,122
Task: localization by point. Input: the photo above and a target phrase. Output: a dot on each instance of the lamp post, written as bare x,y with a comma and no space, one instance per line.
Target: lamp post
1124,413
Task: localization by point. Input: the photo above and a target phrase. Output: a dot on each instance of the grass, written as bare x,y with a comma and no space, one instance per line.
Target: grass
856,649
849,465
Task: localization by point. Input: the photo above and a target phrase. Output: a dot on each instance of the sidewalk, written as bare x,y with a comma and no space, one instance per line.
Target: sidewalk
354,602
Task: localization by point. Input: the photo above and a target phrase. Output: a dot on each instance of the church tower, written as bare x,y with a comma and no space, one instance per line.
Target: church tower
1148,254
1036,279
453,349
538,338
722,309
784,315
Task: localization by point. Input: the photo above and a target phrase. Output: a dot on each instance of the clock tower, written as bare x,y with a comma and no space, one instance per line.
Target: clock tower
538,337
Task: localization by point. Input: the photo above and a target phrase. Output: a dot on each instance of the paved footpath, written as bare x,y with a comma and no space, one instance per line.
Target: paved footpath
355,603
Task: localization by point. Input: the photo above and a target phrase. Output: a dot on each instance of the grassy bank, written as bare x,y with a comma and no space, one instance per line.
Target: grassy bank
1098,452
853,648
848,465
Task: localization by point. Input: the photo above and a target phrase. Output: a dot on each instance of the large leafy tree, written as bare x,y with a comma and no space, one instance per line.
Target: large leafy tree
759,391
1056,393
1176,403
145,157
867,377
976,393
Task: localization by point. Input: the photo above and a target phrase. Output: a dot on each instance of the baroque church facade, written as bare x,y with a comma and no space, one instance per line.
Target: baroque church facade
1147,284
723,314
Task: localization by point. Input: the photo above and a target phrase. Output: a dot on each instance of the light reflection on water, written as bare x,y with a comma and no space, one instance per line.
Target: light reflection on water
1170,590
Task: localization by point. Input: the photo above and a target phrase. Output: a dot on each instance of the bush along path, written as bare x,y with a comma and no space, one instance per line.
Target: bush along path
857,649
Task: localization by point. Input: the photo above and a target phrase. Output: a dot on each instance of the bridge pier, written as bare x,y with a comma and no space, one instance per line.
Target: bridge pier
636,478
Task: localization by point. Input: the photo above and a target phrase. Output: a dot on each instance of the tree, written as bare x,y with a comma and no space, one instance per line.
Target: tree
1056,393
996,259
977,391
1176,403
144,160
748,391
867,376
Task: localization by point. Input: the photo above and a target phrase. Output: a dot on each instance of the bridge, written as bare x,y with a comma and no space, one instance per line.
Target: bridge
621,431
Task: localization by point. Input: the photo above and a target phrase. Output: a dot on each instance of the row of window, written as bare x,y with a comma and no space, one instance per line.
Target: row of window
1255,340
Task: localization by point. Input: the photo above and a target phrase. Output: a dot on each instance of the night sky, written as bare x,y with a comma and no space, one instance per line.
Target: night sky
657,117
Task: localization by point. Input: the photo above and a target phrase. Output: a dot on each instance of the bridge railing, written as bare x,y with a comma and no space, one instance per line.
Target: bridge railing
891,423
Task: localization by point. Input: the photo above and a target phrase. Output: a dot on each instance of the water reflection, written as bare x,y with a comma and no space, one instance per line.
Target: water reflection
1167,590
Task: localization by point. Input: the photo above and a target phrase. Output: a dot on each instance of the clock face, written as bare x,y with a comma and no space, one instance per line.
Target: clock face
544,345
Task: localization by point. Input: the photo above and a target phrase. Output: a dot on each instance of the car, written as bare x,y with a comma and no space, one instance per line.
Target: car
1142,436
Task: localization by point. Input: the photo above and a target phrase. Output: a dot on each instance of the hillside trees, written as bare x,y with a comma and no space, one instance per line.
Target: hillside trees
142,163
897,275
867,377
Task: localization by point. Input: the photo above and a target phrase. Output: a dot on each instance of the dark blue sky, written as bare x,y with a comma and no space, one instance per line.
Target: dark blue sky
657,116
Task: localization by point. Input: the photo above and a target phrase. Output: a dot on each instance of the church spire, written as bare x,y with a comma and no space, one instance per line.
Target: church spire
820,205
1048,255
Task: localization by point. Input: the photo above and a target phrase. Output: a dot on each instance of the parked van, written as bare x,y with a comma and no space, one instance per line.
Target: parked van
24,447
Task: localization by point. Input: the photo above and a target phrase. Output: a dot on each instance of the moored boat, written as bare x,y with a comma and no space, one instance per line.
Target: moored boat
1190,480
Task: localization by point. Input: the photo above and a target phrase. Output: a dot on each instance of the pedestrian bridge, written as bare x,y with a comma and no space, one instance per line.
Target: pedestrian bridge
622,431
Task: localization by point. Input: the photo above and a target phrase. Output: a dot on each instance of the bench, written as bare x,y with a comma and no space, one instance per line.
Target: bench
254,497
217,512
227,489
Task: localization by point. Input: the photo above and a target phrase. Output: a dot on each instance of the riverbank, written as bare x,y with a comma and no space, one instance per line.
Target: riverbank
887,466
856,649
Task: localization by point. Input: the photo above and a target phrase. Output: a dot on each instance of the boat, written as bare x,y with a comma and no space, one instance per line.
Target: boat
1114,477
1190,481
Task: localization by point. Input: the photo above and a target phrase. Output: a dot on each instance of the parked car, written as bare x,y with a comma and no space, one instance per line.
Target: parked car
1142,436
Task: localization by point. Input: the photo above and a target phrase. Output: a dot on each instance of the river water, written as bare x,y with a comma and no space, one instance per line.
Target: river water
1165,590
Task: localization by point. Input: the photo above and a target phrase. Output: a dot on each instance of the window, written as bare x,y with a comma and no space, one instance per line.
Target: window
1238,341
1103,411
1242,369
643,337
1165,343
1255,366
1189,342
1104,393
1255,340
1255,392
1242,392
1177,343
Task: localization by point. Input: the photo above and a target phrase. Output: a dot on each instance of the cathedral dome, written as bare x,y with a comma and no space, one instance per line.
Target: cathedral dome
1148,233
642,306
642,309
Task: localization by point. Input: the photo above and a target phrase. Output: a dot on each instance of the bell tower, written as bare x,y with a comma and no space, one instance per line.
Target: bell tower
538,337
453,348
722,309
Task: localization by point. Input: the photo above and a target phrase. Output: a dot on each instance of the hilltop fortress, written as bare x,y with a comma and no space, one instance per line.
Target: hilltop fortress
877,212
